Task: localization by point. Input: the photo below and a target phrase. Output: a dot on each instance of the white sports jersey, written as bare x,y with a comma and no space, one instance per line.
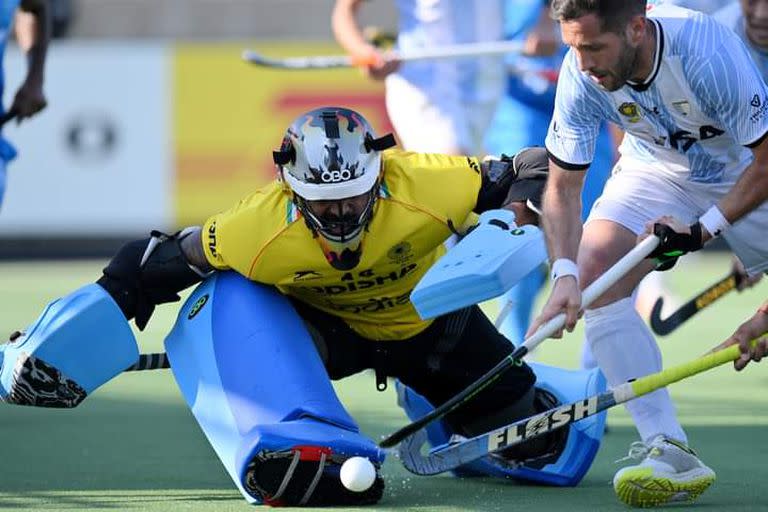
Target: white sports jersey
430,23
703,102
733,18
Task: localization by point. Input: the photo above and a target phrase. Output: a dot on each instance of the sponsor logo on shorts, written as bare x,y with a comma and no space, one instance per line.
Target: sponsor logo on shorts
542,423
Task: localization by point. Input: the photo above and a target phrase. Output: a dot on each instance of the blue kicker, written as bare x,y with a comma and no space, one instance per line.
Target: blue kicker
581,446
82,338
250,373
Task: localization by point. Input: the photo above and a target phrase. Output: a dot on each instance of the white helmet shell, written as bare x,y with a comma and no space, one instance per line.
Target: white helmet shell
330,153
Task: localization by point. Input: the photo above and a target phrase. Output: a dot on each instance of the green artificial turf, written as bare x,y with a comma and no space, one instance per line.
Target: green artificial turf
134,445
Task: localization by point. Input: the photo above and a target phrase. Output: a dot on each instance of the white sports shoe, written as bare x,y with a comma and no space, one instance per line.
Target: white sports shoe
669,472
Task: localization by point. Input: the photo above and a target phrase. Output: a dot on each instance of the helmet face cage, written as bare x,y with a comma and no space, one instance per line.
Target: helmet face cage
331,154
339,228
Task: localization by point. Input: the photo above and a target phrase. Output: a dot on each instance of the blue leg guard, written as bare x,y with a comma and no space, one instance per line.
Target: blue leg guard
252,376
577,453
79,342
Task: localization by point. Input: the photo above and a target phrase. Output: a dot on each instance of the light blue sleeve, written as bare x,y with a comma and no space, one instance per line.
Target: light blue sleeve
576,119
726,81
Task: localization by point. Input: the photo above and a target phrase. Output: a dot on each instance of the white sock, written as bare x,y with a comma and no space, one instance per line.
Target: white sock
625,349
588,361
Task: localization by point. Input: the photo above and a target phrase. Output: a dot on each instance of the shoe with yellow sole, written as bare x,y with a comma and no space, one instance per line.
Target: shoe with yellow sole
669,472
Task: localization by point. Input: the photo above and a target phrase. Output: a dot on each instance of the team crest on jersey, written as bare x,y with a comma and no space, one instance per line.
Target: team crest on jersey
631,111
400,252
682,106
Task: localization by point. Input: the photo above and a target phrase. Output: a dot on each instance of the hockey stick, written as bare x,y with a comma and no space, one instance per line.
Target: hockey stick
7,116
462,452
506,309
155,361
590,294
664,326
456,51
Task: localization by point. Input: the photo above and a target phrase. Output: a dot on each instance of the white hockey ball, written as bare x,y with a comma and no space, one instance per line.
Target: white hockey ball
357,474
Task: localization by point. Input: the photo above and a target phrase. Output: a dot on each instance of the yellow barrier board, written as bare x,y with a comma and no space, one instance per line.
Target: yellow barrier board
229,115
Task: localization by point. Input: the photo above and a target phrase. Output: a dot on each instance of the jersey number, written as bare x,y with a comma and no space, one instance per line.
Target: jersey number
683,140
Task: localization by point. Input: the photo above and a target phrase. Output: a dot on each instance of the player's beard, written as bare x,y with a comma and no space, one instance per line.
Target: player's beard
629,58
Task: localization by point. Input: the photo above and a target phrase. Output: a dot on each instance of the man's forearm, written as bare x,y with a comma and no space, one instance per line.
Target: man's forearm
346,28
562,213
192,249
749,192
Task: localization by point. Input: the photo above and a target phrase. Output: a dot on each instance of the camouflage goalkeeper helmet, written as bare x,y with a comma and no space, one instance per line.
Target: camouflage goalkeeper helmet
331,161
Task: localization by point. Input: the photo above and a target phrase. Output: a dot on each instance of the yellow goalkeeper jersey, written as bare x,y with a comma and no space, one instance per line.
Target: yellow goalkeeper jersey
264,237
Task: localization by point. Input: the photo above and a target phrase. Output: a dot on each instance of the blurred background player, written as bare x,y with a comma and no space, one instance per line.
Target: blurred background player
705,6
441,106
33,31
749,19
521,120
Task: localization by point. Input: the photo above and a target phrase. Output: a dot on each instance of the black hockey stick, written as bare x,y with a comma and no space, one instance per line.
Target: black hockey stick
664,326
155,361
590,294
7,116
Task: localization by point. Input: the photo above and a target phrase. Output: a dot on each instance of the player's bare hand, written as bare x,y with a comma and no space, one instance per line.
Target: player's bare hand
377,64
29,99
743,280
543,39
755,327
565,298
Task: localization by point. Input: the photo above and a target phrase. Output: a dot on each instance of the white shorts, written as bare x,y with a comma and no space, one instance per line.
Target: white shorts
435,121
636,194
